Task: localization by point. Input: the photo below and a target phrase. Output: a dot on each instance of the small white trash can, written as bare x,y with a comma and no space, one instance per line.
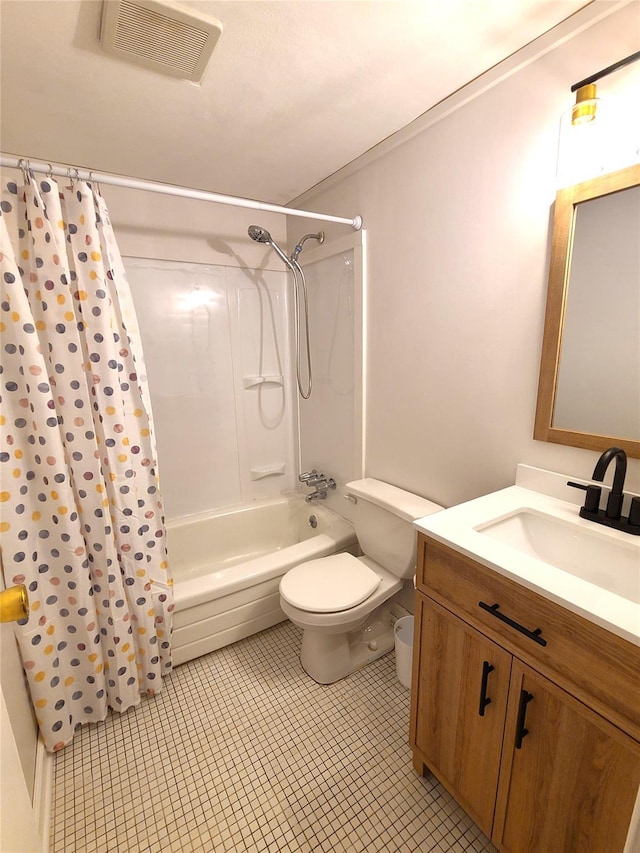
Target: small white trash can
403,631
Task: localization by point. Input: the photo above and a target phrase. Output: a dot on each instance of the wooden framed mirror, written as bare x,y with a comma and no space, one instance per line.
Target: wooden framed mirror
589,386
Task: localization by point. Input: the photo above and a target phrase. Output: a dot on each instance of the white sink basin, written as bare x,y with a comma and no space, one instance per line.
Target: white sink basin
603,561
533,533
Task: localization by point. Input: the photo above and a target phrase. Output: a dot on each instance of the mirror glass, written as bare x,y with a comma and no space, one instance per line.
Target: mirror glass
589,391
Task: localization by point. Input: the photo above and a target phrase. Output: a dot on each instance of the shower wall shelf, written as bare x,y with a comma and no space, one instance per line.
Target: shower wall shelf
267,471
257,381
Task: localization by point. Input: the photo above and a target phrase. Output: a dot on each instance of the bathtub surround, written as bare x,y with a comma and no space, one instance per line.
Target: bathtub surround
83,523
218,344
244,767
216,347
330,424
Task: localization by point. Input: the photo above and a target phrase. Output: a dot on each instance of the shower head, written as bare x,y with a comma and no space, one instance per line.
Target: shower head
260,235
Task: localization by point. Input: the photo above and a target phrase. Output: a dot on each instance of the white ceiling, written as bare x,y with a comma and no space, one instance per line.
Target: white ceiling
295,89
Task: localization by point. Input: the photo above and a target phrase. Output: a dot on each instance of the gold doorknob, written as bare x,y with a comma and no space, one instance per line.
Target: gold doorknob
14,603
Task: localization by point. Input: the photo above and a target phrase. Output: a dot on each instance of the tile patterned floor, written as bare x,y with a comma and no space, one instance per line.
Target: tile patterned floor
243,753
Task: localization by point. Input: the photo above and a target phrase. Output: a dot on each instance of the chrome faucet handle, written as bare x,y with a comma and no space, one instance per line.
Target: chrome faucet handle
322,484
316,480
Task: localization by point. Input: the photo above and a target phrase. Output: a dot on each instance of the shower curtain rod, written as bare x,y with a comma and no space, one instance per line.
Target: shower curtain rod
12,162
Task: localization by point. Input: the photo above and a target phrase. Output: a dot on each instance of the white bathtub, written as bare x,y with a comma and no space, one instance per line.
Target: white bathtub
227,567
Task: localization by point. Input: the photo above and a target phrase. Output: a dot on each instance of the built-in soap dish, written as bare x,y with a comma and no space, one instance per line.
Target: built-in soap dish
257,381
267,471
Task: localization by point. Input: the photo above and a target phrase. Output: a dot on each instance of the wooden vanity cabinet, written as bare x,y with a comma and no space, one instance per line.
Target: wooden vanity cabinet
450,734
516,742
572,784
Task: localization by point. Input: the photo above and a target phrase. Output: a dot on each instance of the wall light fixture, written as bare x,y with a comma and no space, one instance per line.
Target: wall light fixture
584,109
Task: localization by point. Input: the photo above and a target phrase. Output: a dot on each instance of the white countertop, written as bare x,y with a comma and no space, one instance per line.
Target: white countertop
458,528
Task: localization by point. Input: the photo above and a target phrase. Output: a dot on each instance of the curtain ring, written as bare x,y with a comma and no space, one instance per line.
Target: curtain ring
25,168
95,184
50,172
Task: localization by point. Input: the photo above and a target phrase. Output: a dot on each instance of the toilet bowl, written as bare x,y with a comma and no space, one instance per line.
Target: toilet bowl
342,602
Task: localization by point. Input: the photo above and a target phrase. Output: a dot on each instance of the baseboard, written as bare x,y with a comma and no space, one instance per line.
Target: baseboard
42,793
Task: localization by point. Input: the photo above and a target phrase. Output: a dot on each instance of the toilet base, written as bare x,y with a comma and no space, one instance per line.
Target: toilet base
329,657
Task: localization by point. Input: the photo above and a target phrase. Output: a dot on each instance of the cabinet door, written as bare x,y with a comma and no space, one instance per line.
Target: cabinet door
569,778
459,707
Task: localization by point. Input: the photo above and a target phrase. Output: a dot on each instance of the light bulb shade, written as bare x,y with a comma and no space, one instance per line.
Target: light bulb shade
584,109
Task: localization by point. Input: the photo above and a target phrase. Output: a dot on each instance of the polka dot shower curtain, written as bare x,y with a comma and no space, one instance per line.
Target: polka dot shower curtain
80,512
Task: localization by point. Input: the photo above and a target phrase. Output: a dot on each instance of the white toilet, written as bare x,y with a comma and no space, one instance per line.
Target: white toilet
339,601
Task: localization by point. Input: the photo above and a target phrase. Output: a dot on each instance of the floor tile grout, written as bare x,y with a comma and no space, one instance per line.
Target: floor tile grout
243,752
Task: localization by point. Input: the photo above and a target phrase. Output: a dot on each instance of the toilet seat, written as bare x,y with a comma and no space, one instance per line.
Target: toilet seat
329,584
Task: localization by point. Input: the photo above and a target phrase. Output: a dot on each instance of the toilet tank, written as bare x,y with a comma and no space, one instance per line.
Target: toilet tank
382,516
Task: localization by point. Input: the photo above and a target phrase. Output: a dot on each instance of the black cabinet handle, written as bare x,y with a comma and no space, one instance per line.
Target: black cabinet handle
521,732
494,610
484,699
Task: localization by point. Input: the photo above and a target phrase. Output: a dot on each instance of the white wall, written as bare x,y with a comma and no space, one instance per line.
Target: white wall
458,232
18,824
20,780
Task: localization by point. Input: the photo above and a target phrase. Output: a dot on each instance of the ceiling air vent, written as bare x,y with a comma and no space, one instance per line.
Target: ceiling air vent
159,35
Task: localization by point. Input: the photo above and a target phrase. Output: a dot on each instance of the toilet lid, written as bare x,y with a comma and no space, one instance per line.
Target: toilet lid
329,584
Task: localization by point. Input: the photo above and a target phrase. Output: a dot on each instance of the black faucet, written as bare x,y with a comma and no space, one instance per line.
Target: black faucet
612,515
616,496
